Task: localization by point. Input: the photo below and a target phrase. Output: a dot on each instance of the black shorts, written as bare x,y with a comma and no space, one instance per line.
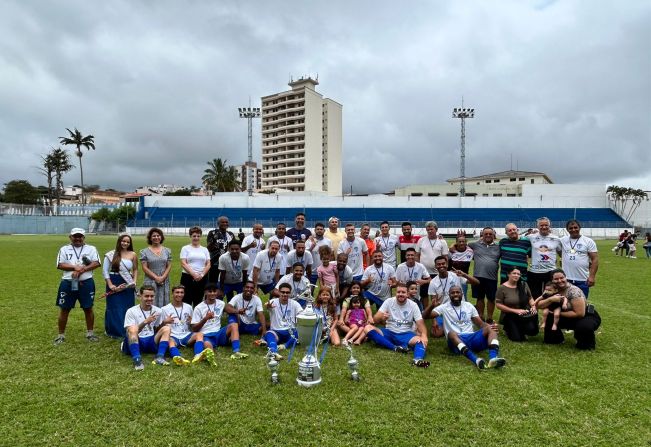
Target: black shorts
486,289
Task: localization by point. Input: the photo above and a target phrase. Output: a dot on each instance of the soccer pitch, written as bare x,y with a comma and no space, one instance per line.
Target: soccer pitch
83,393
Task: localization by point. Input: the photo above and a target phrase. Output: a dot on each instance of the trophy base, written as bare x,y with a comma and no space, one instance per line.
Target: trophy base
307,384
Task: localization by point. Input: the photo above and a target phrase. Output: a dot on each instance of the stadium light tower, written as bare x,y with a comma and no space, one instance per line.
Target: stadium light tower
463,113
249,113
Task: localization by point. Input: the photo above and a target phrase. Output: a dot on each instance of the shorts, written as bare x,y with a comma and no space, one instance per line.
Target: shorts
313,278
146,344
475,341
266,288
283,335
182,341
357,277
398,338
373,298
66,297
486,289
230,288
217,338
249,328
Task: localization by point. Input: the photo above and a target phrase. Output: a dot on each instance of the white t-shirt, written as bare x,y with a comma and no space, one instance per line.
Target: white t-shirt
233,268
306,259
136,315
214,324
196,257
180,327
387,245
457,319
401,317
252,307
345,277
298,287
253,251
355,250
429,250
462,256
441,286
379,285
283,316
405,273
267,265
575,260
68,254
286,244
543,252
316,257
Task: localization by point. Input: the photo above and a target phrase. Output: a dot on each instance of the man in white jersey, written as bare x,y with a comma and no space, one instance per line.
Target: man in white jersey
245,310
410,270
544,247
145,331
580,259
357,251
312,245
458,318
345,275
254,243
266,268
178,315
233,268
298,282
400,315
387,244
206,319
286,243
77,260
282,313
378,279
303,257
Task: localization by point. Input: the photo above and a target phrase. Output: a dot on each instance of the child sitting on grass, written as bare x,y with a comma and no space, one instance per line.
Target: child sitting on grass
356,320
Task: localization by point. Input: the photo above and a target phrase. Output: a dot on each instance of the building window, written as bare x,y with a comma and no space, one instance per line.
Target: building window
532,181
451,194
510,195
522,179
433,194
484,195
486,181
497,195
416,194
512,179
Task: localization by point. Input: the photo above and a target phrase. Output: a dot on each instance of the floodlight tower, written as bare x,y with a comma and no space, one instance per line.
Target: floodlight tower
463,113
249,113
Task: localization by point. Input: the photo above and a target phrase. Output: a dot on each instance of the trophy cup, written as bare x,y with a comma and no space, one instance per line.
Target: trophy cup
352,363
272,364
309,327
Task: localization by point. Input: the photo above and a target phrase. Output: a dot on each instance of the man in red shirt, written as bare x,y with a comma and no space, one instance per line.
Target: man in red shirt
407,240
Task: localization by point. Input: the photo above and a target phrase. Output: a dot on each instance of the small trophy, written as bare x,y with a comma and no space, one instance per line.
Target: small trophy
353,364
272,364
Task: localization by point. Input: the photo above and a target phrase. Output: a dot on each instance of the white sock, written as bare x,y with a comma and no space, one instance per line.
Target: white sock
460,346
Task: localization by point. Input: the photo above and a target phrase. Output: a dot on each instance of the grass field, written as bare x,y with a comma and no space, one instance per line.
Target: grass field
88,394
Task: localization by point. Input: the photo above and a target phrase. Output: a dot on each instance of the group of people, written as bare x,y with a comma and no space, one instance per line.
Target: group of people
627,245
409,279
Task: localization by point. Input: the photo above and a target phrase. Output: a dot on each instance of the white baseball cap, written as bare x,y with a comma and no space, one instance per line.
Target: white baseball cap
77,231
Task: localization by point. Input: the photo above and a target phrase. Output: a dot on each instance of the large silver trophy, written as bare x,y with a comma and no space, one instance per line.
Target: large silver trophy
309,326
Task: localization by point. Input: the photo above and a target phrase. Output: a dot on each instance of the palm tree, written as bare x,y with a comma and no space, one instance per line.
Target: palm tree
61,164
78,140
47,169
220,177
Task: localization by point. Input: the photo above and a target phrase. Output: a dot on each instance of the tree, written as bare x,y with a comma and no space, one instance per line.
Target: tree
21,191
61,163
47,169
220,177
625,200
78,140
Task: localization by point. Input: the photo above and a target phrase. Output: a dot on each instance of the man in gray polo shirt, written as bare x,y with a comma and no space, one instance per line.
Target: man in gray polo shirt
486,257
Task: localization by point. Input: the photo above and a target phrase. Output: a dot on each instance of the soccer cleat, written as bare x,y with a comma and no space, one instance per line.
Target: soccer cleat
138,365
200,357
260,342
160,361
496,362
180,361
282,347
277,357
92,337
210,356
238,355
420,363
401,349
60,339
481,363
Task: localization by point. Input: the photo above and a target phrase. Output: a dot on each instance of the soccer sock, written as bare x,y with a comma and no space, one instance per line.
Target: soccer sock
198,347
493,349
162,348
236,345
271,341
467,352
134,349
174,351
380,340
419,351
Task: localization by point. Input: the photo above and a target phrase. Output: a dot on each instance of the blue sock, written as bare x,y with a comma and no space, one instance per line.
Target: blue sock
236,345
162,348
198,347
134,349
271,341
471,356
380,340
419,351
174,351
493,350
290,343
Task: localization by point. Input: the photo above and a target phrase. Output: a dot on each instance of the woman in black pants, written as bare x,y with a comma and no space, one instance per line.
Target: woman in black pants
514,300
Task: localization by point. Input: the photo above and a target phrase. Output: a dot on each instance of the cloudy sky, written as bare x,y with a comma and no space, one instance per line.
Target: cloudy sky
560,87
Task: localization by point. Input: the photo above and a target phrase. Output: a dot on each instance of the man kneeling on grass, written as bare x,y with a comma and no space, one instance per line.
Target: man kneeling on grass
207,320
178,316
399,315
458,318
145,333
282,312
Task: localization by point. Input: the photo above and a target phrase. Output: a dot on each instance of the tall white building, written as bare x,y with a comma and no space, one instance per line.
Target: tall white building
243,171
301,140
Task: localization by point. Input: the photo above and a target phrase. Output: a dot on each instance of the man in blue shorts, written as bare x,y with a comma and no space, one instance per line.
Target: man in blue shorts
145,331
77,260
178,316
400,315
207,320
458,318
282,312
243,310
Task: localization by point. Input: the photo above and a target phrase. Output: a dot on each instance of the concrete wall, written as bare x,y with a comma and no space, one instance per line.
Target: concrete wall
41,224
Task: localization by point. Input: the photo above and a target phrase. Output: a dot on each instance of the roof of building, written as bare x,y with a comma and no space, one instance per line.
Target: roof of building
503,174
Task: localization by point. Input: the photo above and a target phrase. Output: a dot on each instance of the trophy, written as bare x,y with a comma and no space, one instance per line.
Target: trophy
352,363
272,364
309,326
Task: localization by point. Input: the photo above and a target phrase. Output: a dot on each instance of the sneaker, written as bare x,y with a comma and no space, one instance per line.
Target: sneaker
238,356
282,347
160,361
420,363
198,358
210,356
481,363
260,342
138,365
496,362
92,337
180,361
60,339
277,357
401,349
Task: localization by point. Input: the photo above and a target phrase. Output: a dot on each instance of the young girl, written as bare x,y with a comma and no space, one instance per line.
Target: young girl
327,273
355,319
325,306
355,291
551,290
